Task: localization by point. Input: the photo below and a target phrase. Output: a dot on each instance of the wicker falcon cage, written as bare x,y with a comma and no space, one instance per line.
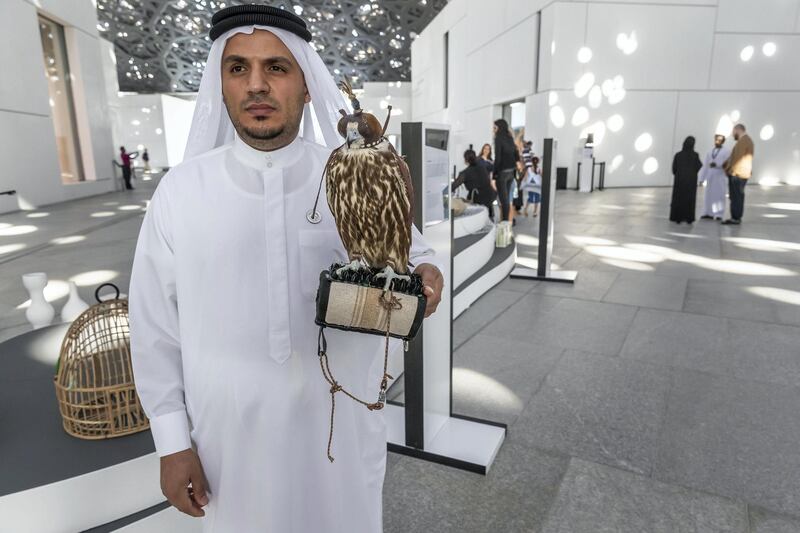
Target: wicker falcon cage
94,378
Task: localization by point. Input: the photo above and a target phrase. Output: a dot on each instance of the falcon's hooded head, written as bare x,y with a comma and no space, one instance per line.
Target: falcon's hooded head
359,128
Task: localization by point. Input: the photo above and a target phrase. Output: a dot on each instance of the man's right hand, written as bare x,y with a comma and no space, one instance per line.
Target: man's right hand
184,483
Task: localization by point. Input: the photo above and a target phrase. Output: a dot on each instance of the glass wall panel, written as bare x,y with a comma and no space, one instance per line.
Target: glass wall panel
62,108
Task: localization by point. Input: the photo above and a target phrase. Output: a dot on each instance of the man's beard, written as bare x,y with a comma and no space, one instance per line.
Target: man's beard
263,134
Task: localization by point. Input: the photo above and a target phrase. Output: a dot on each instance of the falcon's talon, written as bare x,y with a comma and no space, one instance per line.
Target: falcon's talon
354,266
390,276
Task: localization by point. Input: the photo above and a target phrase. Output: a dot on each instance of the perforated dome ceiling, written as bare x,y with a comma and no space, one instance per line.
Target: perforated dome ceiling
161,45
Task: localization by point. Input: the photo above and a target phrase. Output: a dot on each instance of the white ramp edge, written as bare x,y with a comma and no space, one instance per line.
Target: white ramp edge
85,501
471,221
480,286
169,520
471,260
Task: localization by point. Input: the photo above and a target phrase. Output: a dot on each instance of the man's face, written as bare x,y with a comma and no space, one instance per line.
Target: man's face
263,88
736,134
719,140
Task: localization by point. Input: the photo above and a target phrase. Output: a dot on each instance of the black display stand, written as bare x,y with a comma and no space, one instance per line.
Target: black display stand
424,425
547,209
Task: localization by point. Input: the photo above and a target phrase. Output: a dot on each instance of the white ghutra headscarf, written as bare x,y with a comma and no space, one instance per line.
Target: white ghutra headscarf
211,125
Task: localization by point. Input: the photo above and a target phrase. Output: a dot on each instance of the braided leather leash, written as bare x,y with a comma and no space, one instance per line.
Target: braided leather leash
322,346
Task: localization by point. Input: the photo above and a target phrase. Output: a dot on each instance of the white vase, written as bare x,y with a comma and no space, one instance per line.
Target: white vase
74,306
40,313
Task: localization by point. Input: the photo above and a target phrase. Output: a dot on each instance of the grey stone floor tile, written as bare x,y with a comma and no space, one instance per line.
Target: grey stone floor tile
648,290
494,378
727,300
765,522
481,313
734,438
598,499
590,285
679,339
518,285
763,352
607,410
580,324
421,497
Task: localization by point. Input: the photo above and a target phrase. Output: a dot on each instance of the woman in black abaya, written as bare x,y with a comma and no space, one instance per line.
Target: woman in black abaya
685,166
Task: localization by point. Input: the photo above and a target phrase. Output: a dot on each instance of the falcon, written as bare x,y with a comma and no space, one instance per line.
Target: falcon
369,193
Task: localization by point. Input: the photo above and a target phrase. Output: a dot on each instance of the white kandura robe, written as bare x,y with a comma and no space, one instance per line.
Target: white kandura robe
716,182
224,344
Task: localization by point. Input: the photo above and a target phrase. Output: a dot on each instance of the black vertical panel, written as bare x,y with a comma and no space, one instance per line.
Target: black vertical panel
446,67
545,218
412,150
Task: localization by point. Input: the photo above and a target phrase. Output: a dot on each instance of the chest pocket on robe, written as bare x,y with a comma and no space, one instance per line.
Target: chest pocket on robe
318,249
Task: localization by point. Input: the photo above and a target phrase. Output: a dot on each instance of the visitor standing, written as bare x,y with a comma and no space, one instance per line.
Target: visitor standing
506,156
685,166
739,168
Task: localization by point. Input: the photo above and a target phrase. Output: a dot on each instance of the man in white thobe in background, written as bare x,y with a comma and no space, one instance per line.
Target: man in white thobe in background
715,179
223,339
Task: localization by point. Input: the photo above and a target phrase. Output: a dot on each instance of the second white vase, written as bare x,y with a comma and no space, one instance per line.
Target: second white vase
40,313
74,306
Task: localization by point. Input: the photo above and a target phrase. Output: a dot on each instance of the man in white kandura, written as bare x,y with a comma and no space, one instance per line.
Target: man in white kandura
713,174
223,339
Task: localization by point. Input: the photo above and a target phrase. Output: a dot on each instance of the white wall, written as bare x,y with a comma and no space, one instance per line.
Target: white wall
177,119
620,69
158,122
374,98
28,154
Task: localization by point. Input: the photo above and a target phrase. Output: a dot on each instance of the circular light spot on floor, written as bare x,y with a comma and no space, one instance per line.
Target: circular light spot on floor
586,240
764,245
72,239
9,248
11,230
484,389
130,207
95,277
628,265
767,132
774,215
643,142
38,215
650,165
626,254
784,206
111,203
747,53
103,214
615,123
776,294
